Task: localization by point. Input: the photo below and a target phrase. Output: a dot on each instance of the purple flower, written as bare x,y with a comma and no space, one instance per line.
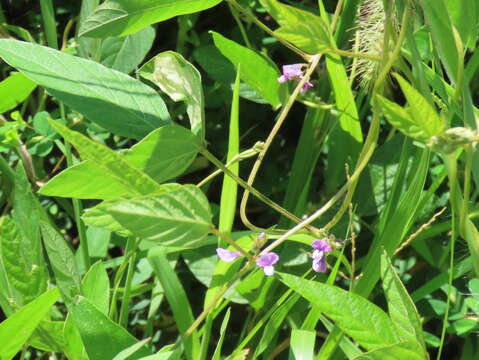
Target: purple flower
294,72
321,248
266,261
226,255
291,72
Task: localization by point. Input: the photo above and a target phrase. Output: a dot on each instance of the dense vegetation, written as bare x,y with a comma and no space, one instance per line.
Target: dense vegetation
239,179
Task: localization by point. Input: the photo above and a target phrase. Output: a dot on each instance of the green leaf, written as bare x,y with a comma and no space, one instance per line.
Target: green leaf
27,212
110,162
6,291
366,323
302,344
466,25
103,339
14,90
123,17
62,261
176,296
17,329
224,326
96,287
402,350
256,70
177,217
48,336
126,53
401,308
181,81
229,190
437,17
128,107
301,28
163,155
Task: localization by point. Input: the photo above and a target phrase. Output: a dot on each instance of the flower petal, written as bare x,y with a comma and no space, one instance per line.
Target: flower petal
319,265
321,245
226,255
267,259
268,270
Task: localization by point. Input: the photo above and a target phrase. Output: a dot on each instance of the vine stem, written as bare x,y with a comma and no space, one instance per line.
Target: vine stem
248,188
281,118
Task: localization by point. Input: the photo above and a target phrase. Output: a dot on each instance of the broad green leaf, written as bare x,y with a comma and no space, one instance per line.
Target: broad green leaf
110,162
14,90
96,287
23,278
311,35
400,350
27,213
179,217
6,290
176,296
98,216
74,348
128,107
302,344
257,71
88,47
62,261
301,28
365,322
123,17
17,329
437,17
402,310
181,81
103,339
126,53
48,336
466,25
420,110
163,154
229,190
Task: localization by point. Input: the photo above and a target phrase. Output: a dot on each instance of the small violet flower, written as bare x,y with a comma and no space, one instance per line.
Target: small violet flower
321,248
266,261
294,72
226,255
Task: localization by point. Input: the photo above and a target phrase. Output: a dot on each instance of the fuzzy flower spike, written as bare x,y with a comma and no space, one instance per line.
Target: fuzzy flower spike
266,261
321,248
227,255
294,72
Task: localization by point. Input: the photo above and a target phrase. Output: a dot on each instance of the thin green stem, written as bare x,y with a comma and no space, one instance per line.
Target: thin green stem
234,12
355,55
277,126
250,189
130,245
77,205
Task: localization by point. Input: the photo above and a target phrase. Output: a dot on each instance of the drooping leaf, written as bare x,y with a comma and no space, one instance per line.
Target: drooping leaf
63,262
401,308
179,217
128,107
401,350
365,322
123,17
103,339
14,90
302,344
257,71
181,81
17,329
163,154
126,53
48,336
